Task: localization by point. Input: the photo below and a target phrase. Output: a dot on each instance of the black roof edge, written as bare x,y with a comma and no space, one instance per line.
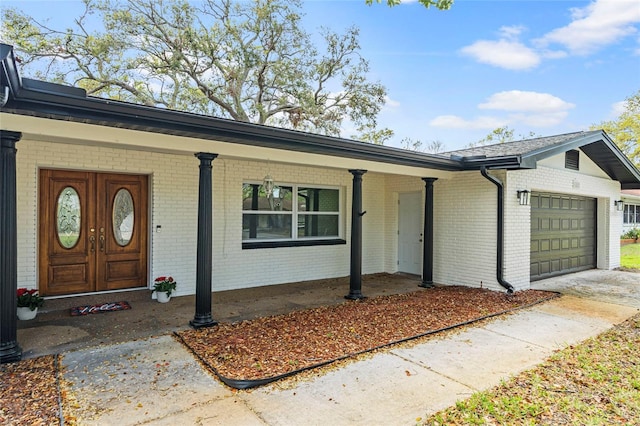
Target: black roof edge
549,151
9,75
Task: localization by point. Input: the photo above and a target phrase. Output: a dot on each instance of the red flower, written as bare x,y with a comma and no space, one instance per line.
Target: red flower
160,279
22,291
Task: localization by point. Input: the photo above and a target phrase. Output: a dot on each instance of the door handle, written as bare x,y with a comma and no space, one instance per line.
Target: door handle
92,240
101,239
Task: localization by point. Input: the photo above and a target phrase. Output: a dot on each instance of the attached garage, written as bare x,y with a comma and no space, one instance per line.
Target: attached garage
563,234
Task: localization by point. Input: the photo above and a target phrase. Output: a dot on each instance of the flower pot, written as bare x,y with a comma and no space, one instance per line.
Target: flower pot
25,313
162,296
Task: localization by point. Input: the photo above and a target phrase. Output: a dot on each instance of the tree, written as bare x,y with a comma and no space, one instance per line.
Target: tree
433,147
439,4
625,130
249,61
500,135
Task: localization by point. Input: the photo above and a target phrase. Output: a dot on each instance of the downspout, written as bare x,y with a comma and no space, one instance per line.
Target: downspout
500,248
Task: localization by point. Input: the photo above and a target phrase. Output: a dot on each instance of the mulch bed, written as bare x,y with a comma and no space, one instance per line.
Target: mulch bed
250,351
255,352
29,392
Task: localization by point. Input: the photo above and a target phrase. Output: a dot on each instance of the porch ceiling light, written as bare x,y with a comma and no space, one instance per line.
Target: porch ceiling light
268,185
619,205
524,197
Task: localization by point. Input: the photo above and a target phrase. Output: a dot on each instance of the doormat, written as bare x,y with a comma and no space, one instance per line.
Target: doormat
99,308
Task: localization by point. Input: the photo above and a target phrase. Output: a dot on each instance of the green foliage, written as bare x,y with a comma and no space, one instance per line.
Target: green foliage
500,135
439,4
249,61
29,299
625,130
433,147
165,285
632,233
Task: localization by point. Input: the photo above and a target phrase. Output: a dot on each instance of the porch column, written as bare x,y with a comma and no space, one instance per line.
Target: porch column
204,257
10,351
427,240
355,282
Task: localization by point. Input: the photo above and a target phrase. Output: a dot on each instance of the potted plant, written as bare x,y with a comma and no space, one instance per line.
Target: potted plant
163,286
28,303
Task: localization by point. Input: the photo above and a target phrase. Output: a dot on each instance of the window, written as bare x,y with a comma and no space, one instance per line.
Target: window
291,215
631,214
572,160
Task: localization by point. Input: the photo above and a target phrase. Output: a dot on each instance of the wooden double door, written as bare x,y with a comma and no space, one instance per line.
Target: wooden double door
93,231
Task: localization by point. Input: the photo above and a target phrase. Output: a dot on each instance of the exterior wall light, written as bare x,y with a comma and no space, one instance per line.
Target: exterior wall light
524,197
268,185
619,205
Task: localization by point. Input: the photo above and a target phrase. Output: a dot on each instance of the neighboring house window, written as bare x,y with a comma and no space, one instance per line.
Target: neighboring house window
572,160
631,214
292,213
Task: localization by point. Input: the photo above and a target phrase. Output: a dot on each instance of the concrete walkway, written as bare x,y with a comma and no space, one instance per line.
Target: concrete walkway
156,381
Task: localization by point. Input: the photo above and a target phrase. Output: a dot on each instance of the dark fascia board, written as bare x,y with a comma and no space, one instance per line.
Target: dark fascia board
600,149
9,76
136,117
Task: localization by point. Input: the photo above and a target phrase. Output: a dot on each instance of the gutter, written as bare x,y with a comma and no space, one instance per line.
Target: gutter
500,248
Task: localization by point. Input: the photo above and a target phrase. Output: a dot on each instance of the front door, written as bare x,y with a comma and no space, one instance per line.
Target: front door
93,232
410,233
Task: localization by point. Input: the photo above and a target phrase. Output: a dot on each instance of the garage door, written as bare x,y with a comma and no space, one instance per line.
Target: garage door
563,234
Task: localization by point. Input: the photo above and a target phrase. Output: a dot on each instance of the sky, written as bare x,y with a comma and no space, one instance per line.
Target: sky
541,67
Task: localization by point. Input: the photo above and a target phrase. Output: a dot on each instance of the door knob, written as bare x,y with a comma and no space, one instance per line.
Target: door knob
92,240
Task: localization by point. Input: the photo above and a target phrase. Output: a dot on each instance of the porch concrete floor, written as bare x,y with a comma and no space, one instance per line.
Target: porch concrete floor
54,330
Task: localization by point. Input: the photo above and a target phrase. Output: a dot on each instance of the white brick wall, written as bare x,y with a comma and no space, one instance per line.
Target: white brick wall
174,199
465,231
464,218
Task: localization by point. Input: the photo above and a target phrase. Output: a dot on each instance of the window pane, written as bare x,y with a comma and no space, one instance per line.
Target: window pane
123,217
68,217
266,226
626,214
318,200
310,225
637,213
254,197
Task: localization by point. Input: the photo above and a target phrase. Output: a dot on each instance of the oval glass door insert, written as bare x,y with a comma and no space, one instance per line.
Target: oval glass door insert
123,218
68,216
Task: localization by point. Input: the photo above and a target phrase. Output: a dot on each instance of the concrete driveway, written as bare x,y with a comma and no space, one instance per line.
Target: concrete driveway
617,287
157,382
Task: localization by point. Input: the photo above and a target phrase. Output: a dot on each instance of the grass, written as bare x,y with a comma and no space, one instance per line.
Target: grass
594,383
630,256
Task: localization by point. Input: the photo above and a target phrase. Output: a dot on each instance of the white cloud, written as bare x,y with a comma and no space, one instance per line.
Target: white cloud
455,122
390,103
507,52
531,109
517,100
541,119
617,109
599,24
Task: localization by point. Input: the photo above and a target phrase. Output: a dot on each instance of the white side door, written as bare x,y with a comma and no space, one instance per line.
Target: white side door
410,233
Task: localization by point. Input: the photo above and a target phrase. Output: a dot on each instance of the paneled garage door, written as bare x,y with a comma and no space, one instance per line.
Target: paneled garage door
563,234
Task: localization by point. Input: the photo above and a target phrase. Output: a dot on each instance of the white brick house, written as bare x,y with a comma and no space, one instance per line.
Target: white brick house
66,141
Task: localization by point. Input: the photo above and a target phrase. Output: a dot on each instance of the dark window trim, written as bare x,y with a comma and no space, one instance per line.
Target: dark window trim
291,243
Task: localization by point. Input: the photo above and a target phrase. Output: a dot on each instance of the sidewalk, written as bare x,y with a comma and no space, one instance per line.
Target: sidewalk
156,381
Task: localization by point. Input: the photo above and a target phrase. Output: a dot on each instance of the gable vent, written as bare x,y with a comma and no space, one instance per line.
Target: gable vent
572,160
